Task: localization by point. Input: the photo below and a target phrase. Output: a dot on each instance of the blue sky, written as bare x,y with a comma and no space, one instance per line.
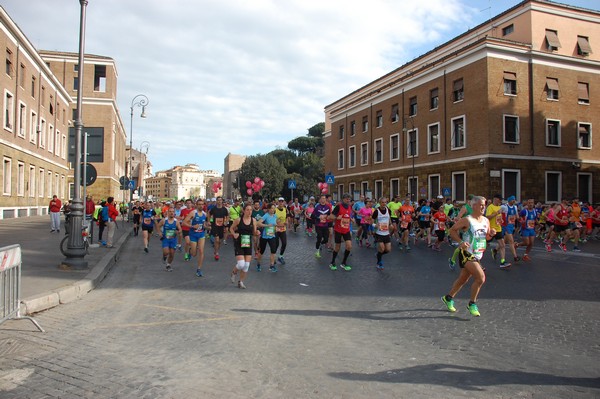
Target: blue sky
245,76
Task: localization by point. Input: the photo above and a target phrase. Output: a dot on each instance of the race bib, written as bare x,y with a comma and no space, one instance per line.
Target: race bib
479,245
531,224
323,218
511,219
499,219
442,226
279,229
578,225
269,231
218,221
245,241
170,233
345,223
384,226
147,221
200,228
404,224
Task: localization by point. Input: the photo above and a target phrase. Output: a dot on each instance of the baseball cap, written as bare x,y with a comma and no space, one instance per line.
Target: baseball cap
440,196
511,198
280,199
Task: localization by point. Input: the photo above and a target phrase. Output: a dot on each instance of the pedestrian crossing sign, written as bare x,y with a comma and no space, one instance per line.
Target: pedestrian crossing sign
292,184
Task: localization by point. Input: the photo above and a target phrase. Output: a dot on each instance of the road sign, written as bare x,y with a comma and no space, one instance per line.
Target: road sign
446,192
131,184
329,179
292,184
90,174
123,181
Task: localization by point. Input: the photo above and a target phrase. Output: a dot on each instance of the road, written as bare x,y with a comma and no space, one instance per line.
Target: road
308,332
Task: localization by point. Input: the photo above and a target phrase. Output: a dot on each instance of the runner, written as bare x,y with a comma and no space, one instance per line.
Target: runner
494,214
342,217
169,230
283,215
268,222
439,228
136,210
242,230
320,216
366,223
382,217
197,222
476,231
185,229
394,205
257,214
308,212
528,218
358,205
510,213
424,218
219,219
405,215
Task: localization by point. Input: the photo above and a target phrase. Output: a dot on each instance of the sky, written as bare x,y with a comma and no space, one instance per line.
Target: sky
243,76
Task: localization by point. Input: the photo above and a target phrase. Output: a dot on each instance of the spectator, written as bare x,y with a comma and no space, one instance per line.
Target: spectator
54,208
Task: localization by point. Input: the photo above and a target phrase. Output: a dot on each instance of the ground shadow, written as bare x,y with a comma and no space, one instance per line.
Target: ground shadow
467,378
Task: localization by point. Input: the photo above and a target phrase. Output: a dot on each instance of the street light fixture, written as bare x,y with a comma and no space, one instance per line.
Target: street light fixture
411,138
142,102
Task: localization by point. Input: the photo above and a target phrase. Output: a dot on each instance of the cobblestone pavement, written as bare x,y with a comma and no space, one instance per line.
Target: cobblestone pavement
308,332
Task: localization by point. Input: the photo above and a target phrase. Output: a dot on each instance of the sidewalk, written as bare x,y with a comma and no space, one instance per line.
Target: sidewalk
44,284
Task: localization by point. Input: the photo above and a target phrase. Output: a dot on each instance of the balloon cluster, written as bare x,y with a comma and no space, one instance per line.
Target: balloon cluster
254,186
217,186
324,187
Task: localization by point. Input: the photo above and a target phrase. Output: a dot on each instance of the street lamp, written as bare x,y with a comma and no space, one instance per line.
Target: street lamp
411,138
144,145
142,102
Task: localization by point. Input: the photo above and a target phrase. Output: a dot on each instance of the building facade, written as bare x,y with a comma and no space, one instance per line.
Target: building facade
35,123
233,163
507,107
187,181
106,138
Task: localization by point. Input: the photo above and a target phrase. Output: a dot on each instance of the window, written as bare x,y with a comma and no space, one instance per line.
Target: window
552,133
395,116
412,106
433,138
510,83
511,129
352,128
458,92
50,138
553,186
583,46
341,132
394,147
9,107
584,136
459,186
352,191
378,151
57,144
507,30
413,184
552,42
100,78
412,143
364,154
51,105
31,181
364,186
33,86
551,89
9,63
20,179
584,187
394,188
22,76
511,183
458,133
379,116
6,173
340,192
365,124
434,99
42,133
434,186
341,158
76,83
583,93
378,190
75,67
22,120
63,154
33,128
41,181
352,156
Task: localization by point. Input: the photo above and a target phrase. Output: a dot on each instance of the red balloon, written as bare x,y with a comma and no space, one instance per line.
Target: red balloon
324,190
256,179
262,183
249,191
248,184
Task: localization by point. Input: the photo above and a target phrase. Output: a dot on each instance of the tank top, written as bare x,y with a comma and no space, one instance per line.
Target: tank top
170,229
475,236
383,221
147,217
245,232
342,225
199,218
511,214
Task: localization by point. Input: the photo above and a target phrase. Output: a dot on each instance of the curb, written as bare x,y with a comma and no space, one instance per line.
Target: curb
79,289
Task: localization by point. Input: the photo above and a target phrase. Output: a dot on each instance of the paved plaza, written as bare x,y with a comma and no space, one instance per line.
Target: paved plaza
309,332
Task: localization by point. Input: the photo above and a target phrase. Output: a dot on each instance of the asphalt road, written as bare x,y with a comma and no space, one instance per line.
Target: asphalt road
308,332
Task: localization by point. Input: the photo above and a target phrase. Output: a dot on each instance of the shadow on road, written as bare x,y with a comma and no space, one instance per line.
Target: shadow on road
359,314
467,378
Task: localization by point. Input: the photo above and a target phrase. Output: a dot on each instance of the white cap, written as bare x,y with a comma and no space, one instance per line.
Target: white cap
280,199
440,196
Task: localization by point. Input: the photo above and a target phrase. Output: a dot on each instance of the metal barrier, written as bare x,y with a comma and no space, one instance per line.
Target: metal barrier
10,285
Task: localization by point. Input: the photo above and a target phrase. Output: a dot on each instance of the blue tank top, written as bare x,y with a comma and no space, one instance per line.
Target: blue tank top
147,217
170,228
198,219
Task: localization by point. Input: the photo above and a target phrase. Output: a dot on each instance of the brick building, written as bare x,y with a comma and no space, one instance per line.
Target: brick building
507,107
233,163
33,136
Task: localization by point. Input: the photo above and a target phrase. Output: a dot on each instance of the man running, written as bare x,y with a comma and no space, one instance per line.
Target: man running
342,217
477,230
197,222
136,210
219,216
405,215
169,230
283,215
494,214
528,218
320,216
382,217
510,212
185,229
148,217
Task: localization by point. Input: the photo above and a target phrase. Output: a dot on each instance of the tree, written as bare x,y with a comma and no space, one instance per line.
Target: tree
269,169
303,144
317,130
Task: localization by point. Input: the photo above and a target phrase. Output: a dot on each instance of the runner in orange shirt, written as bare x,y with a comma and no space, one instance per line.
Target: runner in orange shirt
405,215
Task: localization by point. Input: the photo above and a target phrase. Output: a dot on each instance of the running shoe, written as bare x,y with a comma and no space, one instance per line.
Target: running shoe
318,254
368,244
258,268
407,247
517,259
186,257
233,276
451,264
505,265
400,246
179,248
146,250
241,285
548,247
273,268
345,267
199,273
169,268
333,267
380,265
576,249
216,256
281,260
449,304
563,247
473,309
494,253
526,258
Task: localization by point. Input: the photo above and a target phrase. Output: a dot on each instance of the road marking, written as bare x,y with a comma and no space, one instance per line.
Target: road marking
166,323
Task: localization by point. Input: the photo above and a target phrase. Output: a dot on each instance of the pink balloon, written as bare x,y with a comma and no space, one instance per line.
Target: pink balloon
248,184
324,190
249,191
256,179
262,183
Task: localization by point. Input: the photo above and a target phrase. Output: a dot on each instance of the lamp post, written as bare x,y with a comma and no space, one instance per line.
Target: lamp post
142,166
142,102
75,252
411,150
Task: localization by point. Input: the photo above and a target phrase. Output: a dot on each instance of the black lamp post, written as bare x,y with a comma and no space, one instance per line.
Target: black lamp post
142,102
